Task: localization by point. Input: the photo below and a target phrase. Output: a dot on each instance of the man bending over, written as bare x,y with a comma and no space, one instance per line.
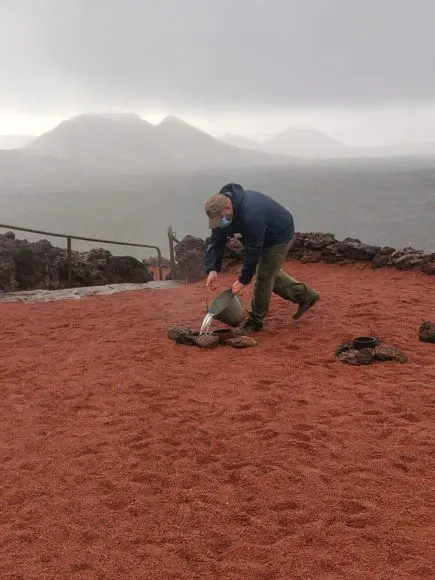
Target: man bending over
267,230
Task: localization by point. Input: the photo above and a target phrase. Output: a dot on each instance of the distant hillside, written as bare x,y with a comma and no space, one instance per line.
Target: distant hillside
15,141
96,138
390,202
304,143
93,150
173,134
301,143
405,150
127,143
312,144
242,142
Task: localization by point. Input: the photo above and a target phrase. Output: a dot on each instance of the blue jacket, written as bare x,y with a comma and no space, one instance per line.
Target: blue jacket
262,221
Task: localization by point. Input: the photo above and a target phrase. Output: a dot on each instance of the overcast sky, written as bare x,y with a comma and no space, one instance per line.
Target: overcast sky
362,70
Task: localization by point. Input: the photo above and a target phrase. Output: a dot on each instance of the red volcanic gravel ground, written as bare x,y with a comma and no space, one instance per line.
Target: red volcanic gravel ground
126,456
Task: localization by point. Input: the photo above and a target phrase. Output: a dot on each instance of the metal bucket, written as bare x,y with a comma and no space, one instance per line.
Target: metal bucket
227,308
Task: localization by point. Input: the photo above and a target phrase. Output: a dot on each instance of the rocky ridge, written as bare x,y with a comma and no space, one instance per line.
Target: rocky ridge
40,265
307,248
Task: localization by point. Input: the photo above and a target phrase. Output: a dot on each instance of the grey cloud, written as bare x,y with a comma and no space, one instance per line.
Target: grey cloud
214,54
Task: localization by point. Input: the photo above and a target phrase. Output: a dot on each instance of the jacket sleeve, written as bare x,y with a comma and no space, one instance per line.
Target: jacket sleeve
215,250
253,247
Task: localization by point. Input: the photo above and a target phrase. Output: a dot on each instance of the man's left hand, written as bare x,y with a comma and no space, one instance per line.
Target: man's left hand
238,287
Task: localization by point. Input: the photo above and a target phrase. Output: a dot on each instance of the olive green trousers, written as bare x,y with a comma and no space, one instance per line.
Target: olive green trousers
271,279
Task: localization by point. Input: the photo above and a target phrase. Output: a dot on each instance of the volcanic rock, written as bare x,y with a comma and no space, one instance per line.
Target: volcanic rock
241,341
207,341
427,332
41,266
385,352
357,357
189,255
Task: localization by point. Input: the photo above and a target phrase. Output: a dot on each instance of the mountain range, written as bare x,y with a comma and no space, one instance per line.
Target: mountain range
103,145
92,149
120,177
127,142
313,144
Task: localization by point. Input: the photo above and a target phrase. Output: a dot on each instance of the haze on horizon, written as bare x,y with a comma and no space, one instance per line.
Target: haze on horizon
361,72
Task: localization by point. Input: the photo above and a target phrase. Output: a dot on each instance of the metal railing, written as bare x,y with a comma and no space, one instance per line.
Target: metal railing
172,236
82,238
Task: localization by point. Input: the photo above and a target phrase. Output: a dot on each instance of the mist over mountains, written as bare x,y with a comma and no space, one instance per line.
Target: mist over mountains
127,144
118,176
304,143
313,144
89,147
15,141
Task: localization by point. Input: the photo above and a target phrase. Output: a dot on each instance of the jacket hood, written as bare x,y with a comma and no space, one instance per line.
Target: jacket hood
236,193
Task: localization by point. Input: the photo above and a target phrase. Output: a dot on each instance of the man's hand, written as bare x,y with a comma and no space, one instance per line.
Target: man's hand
212,280
238,287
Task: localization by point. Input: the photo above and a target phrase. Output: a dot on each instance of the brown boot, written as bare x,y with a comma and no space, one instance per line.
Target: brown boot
304,306
247,327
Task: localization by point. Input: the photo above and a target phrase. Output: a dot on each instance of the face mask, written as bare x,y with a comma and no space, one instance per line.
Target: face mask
225,222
